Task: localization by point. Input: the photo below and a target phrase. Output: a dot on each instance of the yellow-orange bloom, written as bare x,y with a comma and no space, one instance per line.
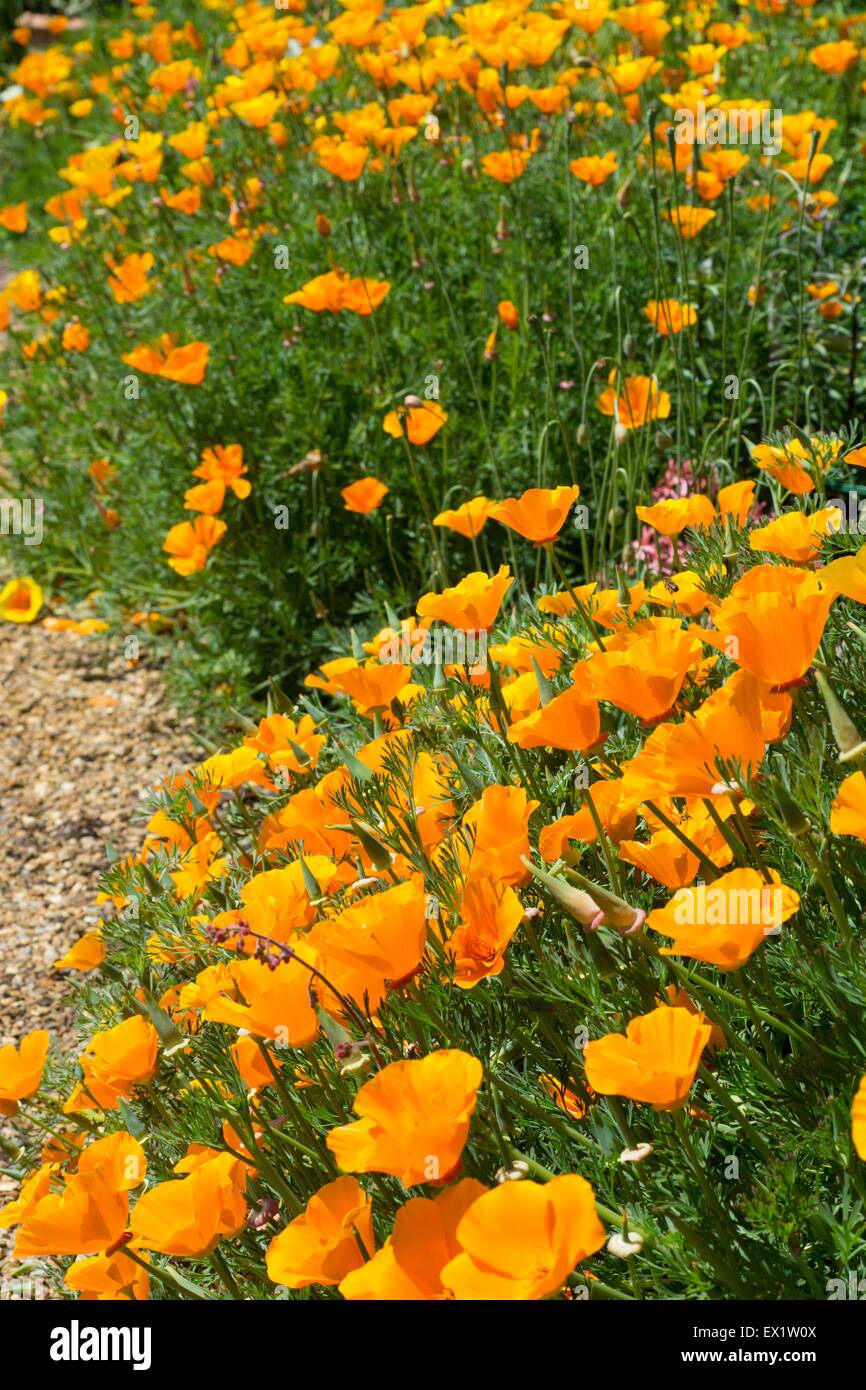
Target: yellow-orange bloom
424,1239
772,622
723,923
187,1216
795,535
468,520
419,423
190,542
539,514
670,316
20,600
594,169
324,1244
638,401
848,812
858,1119
674,514
336,291
414,1119
473,604
656,1062
364,496
520,1241
21,1069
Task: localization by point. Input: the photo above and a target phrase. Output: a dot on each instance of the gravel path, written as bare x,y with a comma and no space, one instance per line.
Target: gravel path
83,737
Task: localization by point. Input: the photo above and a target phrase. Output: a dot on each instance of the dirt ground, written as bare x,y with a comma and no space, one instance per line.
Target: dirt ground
83,738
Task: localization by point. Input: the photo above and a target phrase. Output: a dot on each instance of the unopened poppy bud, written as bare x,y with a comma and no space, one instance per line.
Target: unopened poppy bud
792,815
413,402
620,433
623,596
663,439
613,911
583,434
848,738
323,226
629,345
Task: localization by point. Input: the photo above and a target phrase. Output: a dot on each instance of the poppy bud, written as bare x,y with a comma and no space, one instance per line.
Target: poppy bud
848,739
620,433
413,402
795,821
323,226
583,434
623,597
629,345
663,439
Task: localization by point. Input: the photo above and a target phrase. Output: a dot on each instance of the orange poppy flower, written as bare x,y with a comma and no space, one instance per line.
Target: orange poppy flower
129,281
499,821
615,811
563,1097
643,670
594,169
87,953
847,574
848,812
507,312
688,220
384,934
520,1241
118,1059
539,514
295,746
342,158
419,423
364,496
91,1212
277,1002
656,1062
858,1119
638,402
468,520
724,923
796,535
186,1217
20,600
570,721
772,622
21,1069
190,542
785,465
836,57
336,291
373,687
674,514
258,111
14,217
670,316
489,917
682,759
736,501
324,1244
109,1278
473,604
414,1119
186,364
505,165
409,1266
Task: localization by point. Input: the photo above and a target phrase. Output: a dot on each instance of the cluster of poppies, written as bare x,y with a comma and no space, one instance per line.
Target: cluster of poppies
308,976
